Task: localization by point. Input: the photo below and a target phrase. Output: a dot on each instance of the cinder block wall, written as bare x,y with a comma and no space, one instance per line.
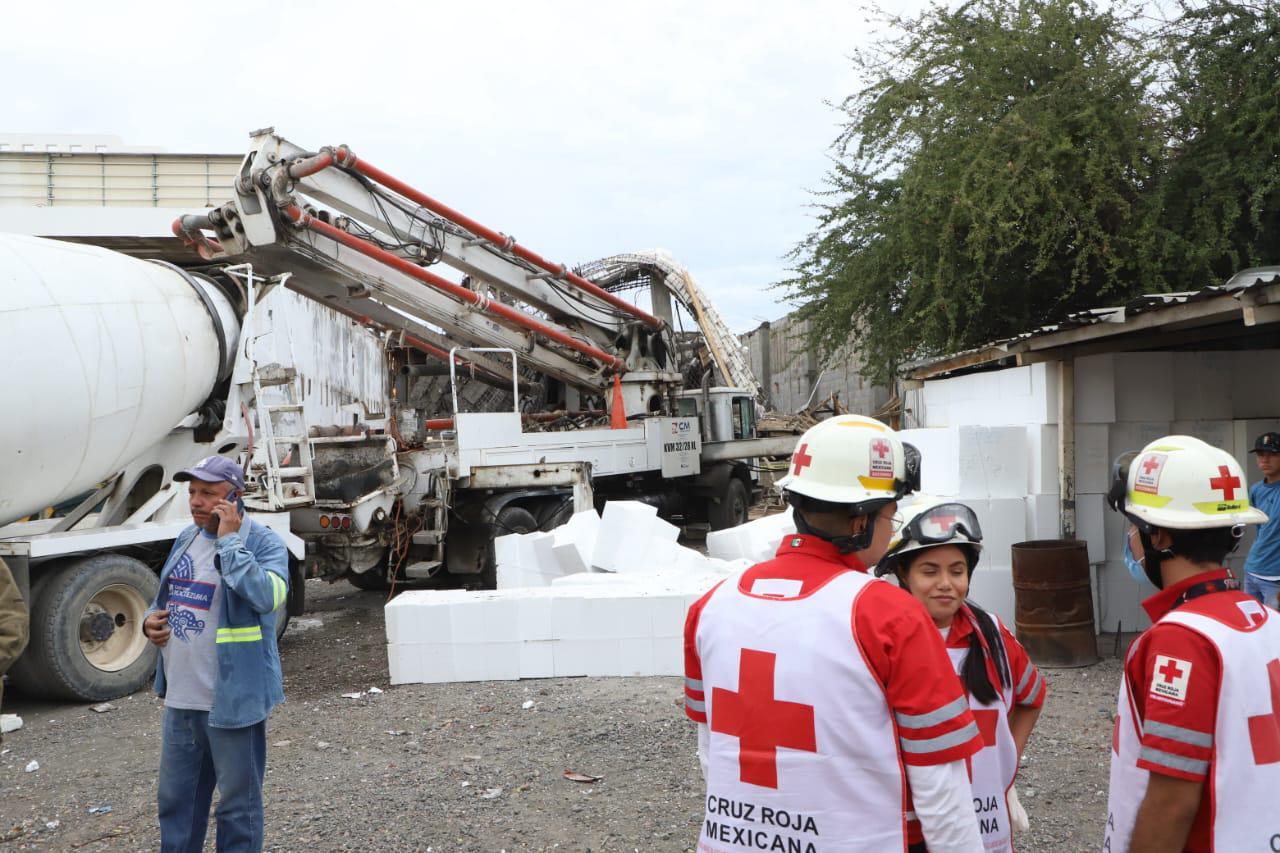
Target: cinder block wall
789,370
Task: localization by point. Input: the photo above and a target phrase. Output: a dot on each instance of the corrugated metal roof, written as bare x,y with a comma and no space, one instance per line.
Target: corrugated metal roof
1251,289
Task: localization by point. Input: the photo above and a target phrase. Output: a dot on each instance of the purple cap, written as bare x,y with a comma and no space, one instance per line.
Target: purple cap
213,469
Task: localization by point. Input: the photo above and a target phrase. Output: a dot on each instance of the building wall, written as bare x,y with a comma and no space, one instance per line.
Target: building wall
789,371
991,439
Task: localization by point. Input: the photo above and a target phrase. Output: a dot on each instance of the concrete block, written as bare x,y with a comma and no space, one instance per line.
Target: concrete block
624,531
1091,526
668,656
537,659
1145,386
1095,390
1204,385
1042,459
992,588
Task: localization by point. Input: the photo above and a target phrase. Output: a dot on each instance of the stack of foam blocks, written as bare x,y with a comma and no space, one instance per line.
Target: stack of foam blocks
602,595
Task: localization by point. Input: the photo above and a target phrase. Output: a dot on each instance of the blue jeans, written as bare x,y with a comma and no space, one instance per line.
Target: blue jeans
1264,590
194,757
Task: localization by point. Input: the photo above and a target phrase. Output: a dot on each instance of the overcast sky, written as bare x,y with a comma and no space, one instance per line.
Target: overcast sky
584,129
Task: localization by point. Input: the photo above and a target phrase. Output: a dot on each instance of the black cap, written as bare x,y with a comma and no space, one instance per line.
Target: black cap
1268,442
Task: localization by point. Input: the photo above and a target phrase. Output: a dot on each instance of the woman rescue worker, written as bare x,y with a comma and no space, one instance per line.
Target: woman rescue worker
933,557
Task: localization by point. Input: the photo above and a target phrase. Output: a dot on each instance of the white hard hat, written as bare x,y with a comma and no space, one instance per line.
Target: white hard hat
1181,483
850,459
931,521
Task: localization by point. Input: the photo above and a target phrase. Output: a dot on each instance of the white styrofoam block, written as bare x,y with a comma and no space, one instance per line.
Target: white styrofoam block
533,618
484,617
1090,525
1044,394
765,534
635,657
1144,386
571,558
1004,523
402,664
1218,433
420,663
668,656
618,617
1042,459
1093,462
1095,387
580,532
572,657
589,579
1204,386
992,461
939,455
1114,527
625,529
1043,517
657,551
667,615
1128,437
537,659
486,661
727,544
602,658
1251,367
419,616
1120,599
992,588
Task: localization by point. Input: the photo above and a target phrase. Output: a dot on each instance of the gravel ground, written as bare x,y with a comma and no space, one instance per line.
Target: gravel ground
465,767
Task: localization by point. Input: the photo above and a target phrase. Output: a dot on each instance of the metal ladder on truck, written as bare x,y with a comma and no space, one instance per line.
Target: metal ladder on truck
289,481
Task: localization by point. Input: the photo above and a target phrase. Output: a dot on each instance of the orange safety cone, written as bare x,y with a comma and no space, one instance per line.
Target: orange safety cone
617,412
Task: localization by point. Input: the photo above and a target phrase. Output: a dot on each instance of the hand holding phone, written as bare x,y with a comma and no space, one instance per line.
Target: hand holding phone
229,511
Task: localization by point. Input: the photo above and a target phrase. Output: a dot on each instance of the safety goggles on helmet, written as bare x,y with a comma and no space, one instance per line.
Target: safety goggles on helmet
940,524
910,482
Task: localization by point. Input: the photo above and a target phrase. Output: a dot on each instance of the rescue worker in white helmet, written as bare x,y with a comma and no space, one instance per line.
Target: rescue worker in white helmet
1195,763
933,558
820,693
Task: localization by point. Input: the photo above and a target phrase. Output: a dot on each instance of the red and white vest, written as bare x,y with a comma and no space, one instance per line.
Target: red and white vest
994,767
1244,772
814,767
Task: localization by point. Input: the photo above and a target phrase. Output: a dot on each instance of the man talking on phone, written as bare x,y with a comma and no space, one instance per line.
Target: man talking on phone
222,588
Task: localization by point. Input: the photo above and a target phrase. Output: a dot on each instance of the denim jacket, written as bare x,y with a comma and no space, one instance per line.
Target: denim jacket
254,564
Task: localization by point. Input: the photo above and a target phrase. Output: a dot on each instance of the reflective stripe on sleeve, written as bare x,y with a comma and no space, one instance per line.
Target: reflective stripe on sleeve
949,711
1034,695
1026,678
239,635
1173,762
279,590
693,684
1190,737
941,742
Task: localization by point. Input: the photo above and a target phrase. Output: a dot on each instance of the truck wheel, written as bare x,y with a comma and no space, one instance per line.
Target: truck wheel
514,519
86,631
731,509
373,580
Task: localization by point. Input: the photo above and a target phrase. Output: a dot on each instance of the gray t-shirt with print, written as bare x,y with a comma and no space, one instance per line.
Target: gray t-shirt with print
191,655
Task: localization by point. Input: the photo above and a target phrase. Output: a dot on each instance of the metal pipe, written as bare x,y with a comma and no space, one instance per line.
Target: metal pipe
345,158
190,229
481,303
424,370
532,417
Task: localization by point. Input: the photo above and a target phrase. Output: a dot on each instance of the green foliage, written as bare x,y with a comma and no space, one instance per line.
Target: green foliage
1009,162
1219,201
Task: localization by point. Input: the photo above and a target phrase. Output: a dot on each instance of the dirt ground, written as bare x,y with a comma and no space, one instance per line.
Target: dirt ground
464,767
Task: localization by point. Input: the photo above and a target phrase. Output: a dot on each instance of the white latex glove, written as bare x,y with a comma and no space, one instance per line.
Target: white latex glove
1017,814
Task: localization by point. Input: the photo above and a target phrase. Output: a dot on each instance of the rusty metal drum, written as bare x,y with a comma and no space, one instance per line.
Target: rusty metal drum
1053,602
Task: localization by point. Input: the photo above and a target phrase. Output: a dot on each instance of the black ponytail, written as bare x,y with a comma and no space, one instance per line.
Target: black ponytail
974,672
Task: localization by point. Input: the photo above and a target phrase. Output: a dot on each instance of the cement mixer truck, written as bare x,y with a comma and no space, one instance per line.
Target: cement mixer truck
511,392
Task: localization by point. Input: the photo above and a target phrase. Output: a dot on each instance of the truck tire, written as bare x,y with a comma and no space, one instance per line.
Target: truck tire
86,631
373,580
731,509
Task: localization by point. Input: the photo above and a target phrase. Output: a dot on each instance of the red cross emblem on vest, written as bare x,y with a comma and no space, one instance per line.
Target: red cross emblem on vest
1264,729
760,722
1170,672
1226,482
802,459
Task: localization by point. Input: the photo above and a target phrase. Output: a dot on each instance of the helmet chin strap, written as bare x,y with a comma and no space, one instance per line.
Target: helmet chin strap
844,544
1151,559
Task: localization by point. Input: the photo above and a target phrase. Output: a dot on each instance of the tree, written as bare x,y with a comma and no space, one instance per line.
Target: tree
989,178
1218,202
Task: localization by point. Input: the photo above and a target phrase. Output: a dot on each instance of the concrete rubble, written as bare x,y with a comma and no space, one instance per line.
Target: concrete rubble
602,595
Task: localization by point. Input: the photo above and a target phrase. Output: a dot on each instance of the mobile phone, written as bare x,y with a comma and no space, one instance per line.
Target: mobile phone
234,494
